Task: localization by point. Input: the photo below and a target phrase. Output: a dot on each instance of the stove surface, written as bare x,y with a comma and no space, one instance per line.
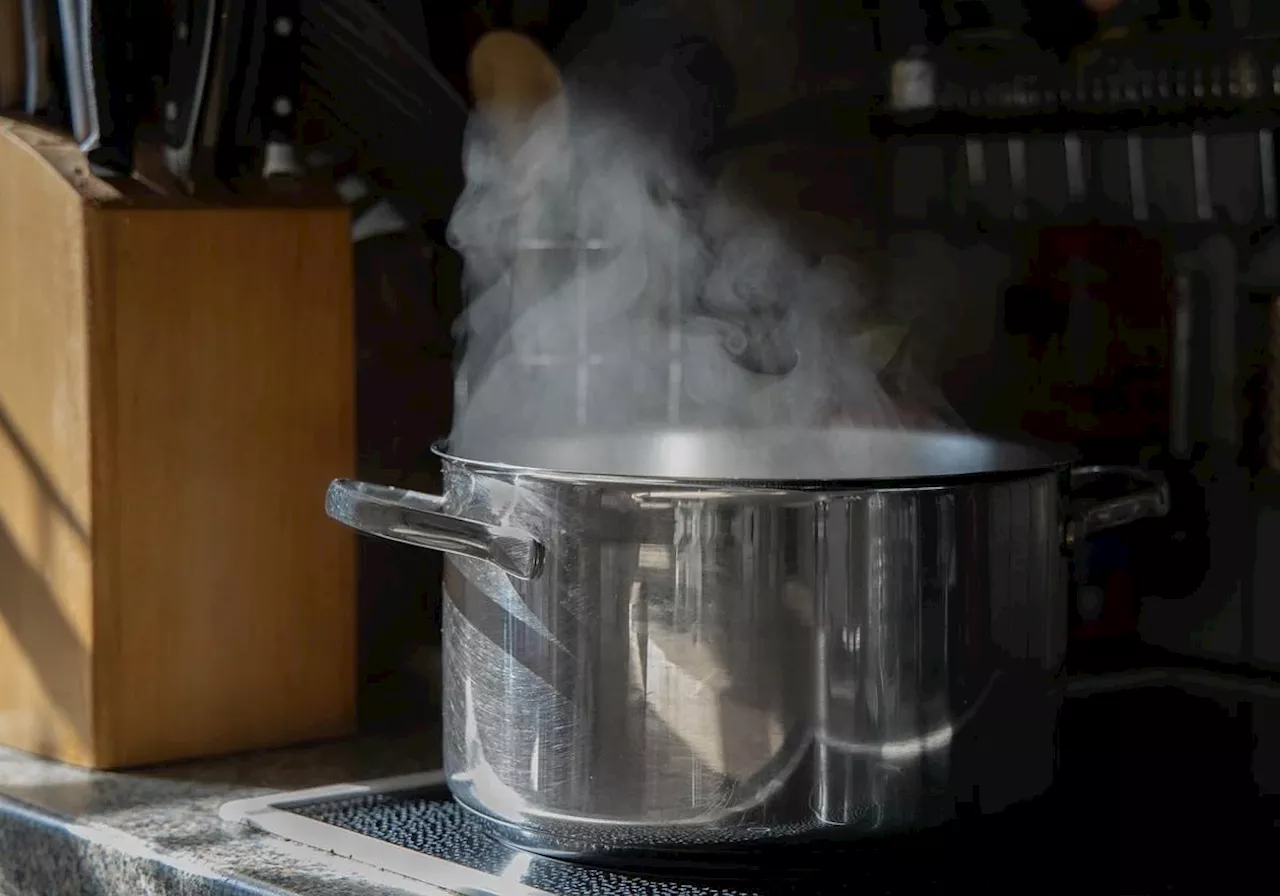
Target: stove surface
1155,794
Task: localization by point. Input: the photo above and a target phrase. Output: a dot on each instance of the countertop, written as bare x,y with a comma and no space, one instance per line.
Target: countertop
65,830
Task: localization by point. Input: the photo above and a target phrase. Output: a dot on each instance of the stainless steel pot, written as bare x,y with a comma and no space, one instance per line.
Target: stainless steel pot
674,658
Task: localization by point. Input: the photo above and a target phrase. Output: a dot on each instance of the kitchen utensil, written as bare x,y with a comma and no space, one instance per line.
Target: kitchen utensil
233,94
374,83
226,92
35,38
281,88
261,69
218,109
520,98
111,85
685,639
186,94
71,30
519,136
514,84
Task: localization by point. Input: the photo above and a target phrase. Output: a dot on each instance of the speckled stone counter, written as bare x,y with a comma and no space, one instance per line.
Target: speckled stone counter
65,830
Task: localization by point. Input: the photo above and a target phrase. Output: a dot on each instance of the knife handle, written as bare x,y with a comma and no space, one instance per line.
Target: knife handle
195,25
280,89
110,43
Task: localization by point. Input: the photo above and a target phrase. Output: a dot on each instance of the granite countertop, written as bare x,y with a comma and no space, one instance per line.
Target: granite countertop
66,830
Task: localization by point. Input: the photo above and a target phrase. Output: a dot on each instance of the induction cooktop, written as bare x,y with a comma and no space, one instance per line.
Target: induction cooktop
1155,793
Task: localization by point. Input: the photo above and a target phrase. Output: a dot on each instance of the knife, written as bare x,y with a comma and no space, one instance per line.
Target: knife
248,111
226,76
35,43
267,115
194,33
72,43
110,42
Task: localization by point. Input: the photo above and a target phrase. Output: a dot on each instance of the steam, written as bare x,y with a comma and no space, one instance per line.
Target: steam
611,285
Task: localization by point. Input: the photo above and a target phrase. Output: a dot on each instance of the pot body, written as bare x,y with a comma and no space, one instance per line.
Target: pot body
701,667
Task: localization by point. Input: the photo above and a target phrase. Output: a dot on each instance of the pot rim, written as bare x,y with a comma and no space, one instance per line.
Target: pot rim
1056,462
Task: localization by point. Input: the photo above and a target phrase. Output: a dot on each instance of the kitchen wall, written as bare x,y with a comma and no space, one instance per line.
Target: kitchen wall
787,58
409,294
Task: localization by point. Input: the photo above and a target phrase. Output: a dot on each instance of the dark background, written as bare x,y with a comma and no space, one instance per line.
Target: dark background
994,299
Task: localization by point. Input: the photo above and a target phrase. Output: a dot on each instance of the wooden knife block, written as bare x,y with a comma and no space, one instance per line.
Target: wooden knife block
176,391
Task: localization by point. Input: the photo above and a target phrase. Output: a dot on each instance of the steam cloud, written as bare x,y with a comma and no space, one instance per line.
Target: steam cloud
609,284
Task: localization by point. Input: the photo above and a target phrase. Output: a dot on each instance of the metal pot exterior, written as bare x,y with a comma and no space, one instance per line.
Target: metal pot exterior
699,667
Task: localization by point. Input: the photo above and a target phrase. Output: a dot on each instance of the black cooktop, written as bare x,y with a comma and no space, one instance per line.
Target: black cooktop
1156,794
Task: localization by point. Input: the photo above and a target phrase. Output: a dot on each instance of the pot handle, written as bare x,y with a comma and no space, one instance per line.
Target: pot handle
398,514
1145,503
